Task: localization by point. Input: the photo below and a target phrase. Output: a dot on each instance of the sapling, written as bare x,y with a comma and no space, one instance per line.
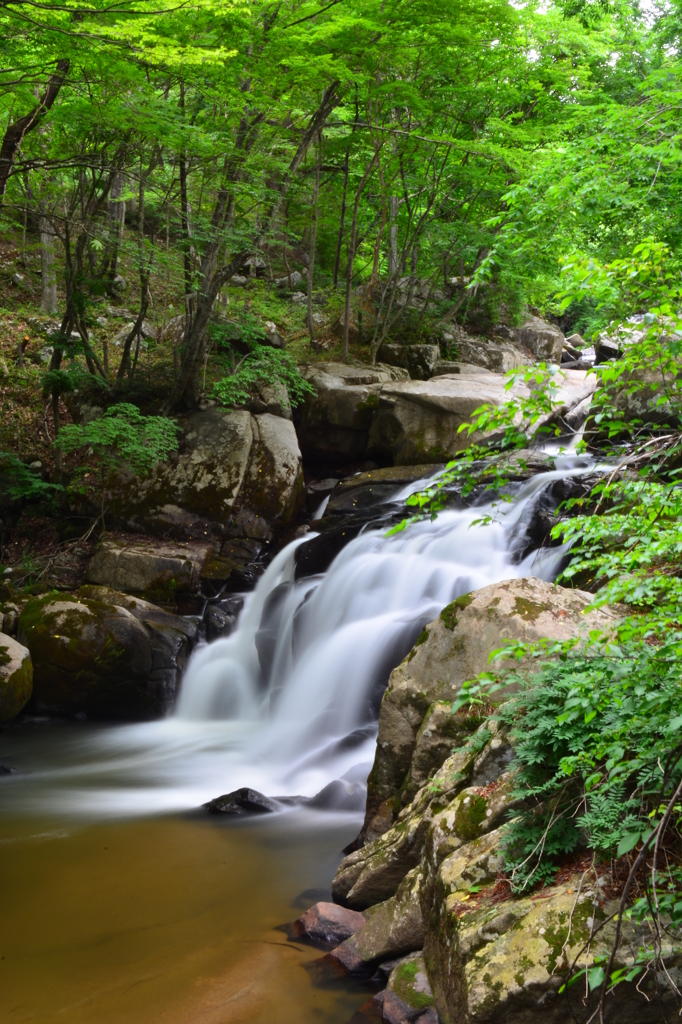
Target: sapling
121,437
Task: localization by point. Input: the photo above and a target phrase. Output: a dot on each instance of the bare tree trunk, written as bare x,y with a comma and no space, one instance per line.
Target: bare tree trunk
48,297
351,251
393,262
342,218
313,239
117,216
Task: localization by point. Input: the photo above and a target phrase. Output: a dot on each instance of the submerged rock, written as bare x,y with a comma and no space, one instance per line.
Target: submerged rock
326,924
242,801
104,654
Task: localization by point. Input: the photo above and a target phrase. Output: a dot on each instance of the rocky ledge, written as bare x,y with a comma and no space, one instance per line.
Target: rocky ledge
435,916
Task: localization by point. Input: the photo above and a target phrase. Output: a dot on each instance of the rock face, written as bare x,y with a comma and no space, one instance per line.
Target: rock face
490,962
104,654
335,422
160,572
234,472
544,340
454,648
418,360
430,885
419,421
16,677
492,354
359,412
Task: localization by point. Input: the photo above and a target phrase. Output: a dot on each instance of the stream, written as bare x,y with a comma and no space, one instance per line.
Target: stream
121,900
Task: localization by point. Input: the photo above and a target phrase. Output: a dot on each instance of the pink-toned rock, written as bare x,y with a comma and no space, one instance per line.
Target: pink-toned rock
327,924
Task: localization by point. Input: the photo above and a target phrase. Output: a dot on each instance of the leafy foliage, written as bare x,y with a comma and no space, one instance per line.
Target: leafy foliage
121,438
20,481
264,365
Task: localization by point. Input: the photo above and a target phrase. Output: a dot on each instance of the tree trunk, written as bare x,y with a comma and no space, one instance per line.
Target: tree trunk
48,297
342,218
393,260
351,251
313,239
16,132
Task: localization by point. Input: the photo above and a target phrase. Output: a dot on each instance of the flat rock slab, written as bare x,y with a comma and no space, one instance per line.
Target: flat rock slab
326,924
160,571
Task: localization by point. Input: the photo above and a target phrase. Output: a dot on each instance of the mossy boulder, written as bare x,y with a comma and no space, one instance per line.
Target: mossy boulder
92,655
489,961
16,677
414,727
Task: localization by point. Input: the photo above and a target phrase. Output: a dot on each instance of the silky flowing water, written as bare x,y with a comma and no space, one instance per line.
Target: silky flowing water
121,901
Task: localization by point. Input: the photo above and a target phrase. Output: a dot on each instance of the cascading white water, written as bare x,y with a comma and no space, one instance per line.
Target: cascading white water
310,718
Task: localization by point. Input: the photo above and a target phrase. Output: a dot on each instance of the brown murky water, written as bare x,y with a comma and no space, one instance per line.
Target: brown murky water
169,920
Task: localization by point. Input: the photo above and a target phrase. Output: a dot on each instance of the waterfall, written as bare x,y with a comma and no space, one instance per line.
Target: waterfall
289,702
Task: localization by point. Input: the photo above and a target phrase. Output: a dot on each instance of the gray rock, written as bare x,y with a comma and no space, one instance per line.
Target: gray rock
544,340
242,801
456,648
234,469
162,572
418,360
16,677
495,354
334,423
447,367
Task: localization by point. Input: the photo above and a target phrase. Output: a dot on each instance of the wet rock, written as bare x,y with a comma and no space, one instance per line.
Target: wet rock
456,647
363,490
16,677
104,654
221,615
242,801
339,796
164,573
326,924
393,928
418,360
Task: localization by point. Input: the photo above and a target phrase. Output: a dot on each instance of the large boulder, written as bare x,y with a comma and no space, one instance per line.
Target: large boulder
419,421
163,573
234,470
16,677
326,924
418,360
544,340
334,423
451,808
104,654
493,354
455,648
489,961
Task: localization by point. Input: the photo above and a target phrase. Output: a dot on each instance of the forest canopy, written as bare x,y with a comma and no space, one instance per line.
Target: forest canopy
459,141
